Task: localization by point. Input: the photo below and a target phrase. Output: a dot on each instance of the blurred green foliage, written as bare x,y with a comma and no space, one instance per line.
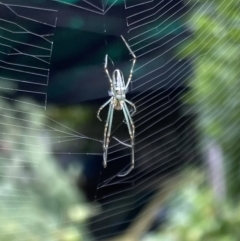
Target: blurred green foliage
215,85
39,200
196,216
74,117
195,213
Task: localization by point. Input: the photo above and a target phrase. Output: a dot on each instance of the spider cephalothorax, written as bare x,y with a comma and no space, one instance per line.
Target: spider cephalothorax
118,102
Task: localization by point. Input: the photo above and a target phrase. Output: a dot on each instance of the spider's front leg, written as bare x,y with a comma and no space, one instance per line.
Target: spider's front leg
106,71
133,64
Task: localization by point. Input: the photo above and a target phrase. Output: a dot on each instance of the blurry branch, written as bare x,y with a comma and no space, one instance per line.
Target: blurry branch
216,171
195,215
146,218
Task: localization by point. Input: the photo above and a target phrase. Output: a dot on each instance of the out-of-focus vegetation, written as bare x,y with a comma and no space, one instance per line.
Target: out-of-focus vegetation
39,200
195,214
74,117
215,85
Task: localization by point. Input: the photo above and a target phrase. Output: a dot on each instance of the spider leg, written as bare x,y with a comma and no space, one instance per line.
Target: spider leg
106,103
134,107
106,70
107,132
130,118
132,126
134,61
131,73
131,129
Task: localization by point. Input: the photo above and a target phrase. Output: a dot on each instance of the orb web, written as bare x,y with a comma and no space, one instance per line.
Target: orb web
166,138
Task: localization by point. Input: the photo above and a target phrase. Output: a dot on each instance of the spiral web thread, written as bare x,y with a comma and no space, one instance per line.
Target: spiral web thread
163,132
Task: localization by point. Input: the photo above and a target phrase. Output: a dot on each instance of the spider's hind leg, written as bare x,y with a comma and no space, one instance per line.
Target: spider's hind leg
134,107
131,129
107,132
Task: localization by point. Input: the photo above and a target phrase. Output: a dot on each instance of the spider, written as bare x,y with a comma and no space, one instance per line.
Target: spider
118,101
